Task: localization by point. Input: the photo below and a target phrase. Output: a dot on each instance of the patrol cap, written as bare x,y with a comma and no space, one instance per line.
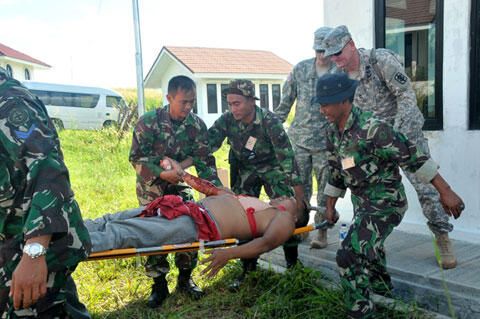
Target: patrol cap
240,87
334,88
319,36
336,40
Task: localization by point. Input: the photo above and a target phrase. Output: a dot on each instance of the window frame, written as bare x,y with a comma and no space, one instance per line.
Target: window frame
431,124
267,97
474,94
214,99
27,74
9,69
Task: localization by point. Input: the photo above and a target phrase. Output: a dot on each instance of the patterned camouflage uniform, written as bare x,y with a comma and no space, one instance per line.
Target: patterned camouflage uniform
385,90
35,198
155,136
378,199
308,129
271,162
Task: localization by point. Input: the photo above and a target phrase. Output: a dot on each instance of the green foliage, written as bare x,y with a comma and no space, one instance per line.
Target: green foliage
153,97
104,182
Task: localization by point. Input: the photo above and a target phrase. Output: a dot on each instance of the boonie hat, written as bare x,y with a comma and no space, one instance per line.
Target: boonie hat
336,40
240,87
319,36
334,88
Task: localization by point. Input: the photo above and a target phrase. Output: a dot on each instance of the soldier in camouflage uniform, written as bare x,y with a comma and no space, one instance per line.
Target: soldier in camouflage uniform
385,90
175,132
364,154
38,214
260,153
308,128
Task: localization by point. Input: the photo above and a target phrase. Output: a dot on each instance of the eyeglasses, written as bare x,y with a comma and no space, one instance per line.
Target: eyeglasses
320,51
339,53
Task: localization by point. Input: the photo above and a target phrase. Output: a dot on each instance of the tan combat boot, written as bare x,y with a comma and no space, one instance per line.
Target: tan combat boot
321,240
445,248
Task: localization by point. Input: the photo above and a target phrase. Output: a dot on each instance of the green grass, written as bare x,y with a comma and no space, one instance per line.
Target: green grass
104,182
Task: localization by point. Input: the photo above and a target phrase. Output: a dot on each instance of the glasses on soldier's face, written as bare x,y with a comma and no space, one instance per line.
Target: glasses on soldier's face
320,51
339,53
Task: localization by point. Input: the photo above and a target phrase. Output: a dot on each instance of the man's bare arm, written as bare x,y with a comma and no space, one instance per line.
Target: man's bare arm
279,230
451,202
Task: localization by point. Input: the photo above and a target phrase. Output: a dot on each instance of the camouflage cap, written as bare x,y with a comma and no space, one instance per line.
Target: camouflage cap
240,87
319,36
336,40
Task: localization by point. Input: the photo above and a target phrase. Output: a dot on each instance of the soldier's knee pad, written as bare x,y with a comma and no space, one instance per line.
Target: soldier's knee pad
345,258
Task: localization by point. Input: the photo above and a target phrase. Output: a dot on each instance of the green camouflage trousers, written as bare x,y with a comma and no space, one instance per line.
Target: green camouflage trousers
51,306
361,260
158,265
427,194
316,161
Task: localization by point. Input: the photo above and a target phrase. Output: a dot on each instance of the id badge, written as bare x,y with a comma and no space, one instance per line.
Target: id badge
250,143
348,162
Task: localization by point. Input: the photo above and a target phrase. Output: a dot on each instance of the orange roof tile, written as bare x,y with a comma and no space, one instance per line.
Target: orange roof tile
7,51
213,60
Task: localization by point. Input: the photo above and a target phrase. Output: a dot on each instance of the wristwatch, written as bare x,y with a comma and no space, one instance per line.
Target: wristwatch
34,250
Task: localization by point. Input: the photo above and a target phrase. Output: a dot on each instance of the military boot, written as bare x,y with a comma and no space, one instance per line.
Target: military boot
248,265
445,248
291,256
320,241
159,291
186,284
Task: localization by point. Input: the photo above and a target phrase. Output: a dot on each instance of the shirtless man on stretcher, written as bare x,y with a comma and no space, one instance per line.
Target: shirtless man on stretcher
222,215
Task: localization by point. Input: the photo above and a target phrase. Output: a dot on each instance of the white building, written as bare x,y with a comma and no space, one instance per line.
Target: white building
20,66
440,43
212,69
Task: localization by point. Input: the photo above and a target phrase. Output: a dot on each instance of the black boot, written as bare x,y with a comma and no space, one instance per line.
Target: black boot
291,256
248,265
159,292
186,284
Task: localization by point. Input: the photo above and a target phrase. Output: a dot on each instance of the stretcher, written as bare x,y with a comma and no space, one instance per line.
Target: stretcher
193,246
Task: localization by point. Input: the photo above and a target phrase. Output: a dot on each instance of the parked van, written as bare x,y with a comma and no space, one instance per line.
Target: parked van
78,107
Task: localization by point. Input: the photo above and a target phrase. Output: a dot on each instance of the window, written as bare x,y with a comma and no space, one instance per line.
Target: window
264,95
276,94
67,99
27,74
116,102
212,98
224,99
414,30
9,70
474,114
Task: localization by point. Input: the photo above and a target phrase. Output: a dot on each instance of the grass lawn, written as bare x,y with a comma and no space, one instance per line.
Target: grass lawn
104,182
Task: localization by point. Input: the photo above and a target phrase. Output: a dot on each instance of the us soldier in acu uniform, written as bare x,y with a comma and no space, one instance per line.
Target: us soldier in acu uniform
175,132
386,91
260,153
308,129
364,155
38,214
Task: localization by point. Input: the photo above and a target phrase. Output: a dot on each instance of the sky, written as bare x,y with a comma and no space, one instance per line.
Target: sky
91,42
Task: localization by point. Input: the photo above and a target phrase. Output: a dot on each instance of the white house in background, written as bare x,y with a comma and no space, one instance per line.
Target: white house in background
439,41
21,66
212,69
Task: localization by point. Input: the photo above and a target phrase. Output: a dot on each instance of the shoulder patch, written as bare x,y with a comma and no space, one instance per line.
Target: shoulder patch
401,78
25,135
18,117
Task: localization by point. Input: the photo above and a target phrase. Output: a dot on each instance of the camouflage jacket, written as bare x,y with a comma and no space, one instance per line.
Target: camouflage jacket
365,158
309,127
155,136
271,148
35,194
386,91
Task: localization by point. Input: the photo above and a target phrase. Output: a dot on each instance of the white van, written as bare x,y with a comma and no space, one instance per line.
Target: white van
78,107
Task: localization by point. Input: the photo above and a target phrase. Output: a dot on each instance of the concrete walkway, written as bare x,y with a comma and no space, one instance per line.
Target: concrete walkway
414,270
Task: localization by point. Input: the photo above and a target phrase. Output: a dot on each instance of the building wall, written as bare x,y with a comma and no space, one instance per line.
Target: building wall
18,69
455,148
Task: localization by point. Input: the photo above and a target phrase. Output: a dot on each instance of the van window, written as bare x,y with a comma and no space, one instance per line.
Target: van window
67,99
115,101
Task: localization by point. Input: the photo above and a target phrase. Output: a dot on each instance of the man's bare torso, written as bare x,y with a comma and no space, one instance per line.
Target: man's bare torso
232,219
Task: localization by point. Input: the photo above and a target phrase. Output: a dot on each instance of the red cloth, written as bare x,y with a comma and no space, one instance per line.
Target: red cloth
173,206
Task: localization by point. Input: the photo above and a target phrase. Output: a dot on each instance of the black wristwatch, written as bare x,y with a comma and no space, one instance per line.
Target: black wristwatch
34,250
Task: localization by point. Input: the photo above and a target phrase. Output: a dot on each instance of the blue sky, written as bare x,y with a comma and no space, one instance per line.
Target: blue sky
91,42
